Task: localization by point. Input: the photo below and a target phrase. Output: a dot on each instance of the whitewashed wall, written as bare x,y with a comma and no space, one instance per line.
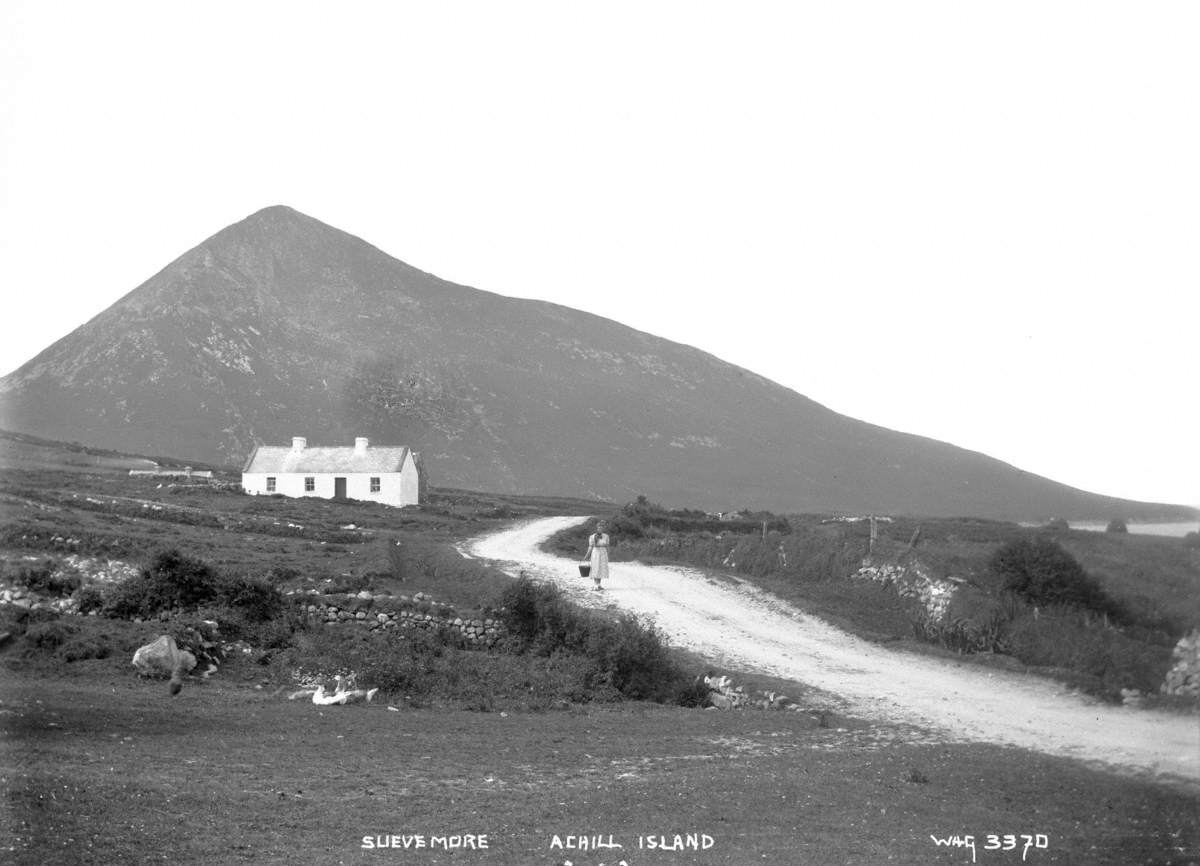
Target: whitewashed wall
395,488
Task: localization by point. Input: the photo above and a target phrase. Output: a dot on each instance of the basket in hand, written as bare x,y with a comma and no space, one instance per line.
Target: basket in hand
585,568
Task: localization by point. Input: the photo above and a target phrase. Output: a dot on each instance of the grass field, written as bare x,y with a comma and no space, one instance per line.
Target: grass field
101,767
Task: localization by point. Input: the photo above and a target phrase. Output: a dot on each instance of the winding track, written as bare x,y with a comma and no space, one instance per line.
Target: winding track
744,628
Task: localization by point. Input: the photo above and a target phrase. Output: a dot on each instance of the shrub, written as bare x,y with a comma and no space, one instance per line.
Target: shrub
392,661
627,657
258,600
233,623
86,646
1116,525
282,574
624,526
1192,539
47,578
422,666
67,640
1100,660
272,634
175,582
172,581
693,694
1042,572
1058,524
49,635
633,659
89,598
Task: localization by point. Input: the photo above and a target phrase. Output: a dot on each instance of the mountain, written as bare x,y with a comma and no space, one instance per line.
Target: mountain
282,326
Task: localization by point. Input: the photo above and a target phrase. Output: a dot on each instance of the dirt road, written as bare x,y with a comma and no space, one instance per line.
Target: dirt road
743,628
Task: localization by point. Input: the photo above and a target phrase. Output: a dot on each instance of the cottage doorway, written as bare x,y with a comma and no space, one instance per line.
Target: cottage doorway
339,488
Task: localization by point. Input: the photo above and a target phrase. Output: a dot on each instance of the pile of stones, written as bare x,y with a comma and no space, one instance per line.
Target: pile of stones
21,597
92,570
724,694
96,570
1184,676
912,581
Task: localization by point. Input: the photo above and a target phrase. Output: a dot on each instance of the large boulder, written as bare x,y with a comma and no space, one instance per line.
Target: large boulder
163,657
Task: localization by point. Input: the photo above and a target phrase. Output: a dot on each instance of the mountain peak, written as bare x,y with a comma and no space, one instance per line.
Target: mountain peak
277,210
281,323
275,218
279,240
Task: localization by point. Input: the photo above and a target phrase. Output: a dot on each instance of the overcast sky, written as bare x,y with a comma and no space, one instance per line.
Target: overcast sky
975,222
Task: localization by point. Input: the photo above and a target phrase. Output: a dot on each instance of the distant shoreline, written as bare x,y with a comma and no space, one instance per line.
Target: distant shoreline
1174,530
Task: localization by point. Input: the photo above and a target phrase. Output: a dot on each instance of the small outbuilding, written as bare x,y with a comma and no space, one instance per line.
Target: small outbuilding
392,475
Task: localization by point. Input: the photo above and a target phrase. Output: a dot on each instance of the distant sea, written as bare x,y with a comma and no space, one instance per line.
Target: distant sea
1178,530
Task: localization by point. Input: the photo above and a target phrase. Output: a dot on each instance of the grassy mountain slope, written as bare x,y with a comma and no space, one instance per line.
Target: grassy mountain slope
280,325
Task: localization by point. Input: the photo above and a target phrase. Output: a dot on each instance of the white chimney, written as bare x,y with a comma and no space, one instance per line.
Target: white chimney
360,445
298,443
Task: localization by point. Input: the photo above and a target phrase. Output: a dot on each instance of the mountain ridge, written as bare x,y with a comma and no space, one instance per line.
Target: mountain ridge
280,325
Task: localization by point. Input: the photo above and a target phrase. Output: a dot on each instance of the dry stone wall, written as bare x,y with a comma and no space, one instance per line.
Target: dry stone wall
89,569
372,611
1184,676
913,581
21,597
377,611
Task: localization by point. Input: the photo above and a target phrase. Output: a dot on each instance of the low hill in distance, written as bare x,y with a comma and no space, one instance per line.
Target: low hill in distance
20,451
282,326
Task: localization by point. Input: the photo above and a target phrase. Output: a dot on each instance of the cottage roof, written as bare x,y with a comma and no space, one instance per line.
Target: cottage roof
281,459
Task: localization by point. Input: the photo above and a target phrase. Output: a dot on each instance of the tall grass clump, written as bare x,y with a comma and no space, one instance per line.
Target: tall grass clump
68,639
431,666
401,663
1100,660
974,623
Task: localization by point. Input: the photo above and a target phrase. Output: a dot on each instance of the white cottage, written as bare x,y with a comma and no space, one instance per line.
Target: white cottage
391,475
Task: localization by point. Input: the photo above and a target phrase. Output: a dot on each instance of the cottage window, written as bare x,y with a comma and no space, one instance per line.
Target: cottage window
374,485
270,483
310,484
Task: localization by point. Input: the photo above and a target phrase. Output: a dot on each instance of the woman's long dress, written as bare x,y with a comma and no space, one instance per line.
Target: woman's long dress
599,544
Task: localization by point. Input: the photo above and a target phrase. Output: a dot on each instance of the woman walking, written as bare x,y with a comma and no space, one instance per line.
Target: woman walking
597,554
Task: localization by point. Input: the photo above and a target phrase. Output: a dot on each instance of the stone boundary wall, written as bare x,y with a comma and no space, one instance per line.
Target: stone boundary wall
912,581
379,612
92,570
372,610
1184,676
